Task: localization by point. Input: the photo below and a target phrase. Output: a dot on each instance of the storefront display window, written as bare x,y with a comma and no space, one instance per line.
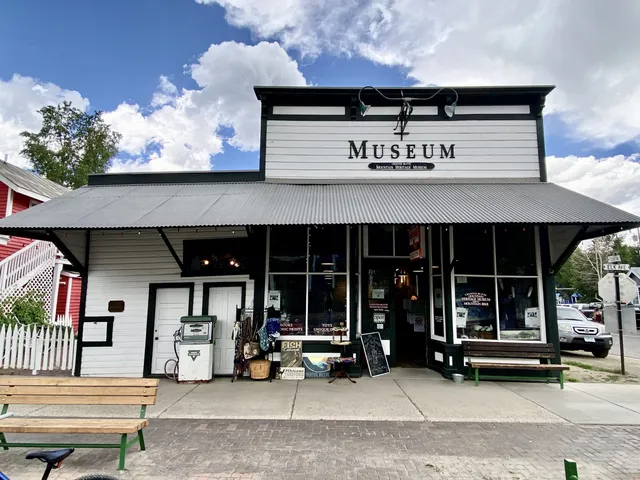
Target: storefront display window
288,249
475,308
496,289
290,301
515,250
518,306
211,257
327,303
473,247
328,249
307,278
387,241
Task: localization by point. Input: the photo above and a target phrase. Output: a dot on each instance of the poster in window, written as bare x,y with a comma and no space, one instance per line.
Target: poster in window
438,299
419,324
531,318
274,299
461,317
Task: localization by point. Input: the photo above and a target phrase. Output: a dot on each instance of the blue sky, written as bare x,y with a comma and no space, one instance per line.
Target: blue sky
112,55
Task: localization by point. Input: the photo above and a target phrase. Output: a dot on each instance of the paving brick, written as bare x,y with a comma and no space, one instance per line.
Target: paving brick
244,449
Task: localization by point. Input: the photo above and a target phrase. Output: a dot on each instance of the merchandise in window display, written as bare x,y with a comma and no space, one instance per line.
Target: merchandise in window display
476,295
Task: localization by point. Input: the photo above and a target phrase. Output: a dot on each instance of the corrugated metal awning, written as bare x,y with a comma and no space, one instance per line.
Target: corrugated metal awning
261,203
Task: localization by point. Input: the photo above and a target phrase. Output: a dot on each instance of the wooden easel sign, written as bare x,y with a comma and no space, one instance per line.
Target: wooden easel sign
374,354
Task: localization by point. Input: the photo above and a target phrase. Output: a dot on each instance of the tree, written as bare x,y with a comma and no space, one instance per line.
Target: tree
70,145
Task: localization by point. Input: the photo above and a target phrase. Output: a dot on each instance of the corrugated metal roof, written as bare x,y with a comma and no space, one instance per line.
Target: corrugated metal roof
30,181
261,203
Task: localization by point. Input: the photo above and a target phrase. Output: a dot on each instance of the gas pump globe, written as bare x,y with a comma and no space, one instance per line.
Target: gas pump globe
195,352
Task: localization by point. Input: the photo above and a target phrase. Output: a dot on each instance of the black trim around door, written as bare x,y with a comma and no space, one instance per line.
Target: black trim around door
208,285
151,316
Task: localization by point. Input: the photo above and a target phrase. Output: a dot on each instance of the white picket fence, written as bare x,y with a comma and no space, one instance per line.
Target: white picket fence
63,321
25,347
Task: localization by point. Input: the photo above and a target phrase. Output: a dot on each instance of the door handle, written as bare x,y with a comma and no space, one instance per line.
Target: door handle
157,338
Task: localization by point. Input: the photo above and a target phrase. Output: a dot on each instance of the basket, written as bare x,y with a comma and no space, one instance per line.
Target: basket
260,369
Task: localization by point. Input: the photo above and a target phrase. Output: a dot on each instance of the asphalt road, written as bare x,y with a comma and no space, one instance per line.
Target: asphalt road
631,346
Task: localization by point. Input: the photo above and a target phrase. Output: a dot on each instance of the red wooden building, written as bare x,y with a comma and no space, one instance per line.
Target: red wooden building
35,265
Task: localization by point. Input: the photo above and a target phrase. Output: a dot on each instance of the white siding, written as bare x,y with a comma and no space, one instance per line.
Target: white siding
483,149
75,241
121,267
492,109
285,110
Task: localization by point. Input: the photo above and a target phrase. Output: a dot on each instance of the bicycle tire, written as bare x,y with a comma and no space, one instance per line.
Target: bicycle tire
97,476
174,375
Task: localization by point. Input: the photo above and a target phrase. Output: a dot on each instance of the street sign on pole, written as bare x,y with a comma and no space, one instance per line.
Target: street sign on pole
616,267
607,288
613,259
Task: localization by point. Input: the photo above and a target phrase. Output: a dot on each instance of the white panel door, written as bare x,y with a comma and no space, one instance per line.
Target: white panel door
223,302
171,304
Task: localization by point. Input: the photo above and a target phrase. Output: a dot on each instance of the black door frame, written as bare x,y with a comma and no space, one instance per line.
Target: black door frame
151,317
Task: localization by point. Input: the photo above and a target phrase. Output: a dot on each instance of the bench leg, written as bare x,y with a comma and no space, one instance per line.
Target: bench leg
477,376
123,451
141,439
561,380
3,441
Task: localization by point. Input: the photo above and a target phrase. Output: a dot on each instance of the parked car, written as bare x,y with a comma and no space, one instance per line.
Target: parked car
577,332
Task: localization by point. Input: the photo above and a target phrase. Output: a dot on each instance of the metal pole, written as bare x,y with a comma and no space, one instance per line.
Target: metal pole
620,333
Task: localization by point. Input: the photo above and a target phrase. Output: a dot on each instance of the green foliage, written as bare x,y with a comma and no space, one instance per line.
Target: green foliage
27,310
585,266
70,145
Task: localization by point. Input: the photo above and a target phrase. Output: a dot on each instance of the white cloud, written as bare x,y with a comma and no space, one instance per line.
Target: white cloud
613,180
20,99
587,48
182,133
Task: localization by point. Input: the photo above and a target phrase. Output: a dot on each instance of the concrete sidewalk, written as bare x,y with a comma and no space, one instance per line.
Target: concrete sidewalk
414,395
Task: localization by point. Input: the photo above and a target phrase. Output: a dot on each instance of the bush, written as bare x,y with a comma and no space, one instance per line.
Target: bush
28,310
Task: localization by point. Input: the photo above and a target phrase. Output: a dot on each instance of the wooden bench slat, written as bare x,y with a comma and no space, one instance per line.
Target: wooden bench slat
509,354
77,400
10,380
515,348
73,390
518,366
72,425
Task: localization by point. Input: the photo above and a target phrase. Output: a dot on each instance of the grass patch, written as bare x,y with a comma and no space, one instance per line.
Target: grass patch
572,380
594,368
586,366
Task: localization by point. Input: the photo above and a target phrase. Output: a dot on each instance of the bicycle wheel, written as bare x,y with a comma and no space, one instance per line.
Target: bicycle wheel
171,369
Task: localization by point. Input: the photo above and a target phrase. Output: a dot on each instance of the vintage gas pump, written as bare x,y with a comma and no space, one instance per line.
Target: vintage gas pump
195,351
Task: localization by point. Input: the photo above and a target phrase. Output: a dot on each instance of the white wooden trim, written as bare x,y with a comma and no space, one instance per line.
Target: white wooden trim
492,109
359,250
417,110
67,304
541,302
9,210
309,110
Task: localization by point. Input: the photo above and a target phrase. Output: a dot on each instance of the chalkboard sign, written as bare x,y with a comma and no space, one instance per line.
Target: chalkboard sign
374,353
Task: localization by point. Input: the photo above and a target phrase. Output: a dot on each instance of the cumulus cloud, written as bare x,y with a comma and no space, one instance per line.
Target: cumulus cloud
613,180
588,48
20,99
182,132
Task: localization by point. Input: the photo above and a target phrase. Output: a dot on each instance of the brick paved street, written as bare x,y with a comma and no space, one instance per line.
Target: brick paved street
208,449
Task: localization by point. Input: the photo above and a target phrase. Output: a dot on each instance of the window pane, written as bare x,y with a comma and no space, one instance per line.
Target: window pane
403,248
515,250
436,250
380,240
216,257
518,307
288,249
438,307
293,291
328,248
327,303
476,308
473,249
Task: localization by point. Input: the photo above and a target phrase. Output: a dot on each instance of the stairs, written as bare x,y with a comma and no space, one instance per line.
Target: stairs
29,268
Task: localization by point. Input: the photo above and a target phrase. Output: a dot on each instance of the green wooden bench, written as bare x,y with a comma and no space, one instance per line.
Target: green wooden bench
76,391
545,352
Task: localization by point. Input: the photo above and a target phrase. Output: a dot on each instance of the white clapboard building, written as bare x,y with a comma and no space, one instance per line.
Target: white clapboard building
422,214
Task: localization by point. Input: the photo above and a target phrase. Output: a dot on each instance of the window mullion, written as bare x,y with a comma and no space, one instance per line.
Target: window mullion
495,281
306,317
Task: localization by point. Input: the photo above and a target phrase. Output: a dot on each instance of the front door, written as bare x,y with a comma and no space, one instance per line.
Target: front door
171,304
223,302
